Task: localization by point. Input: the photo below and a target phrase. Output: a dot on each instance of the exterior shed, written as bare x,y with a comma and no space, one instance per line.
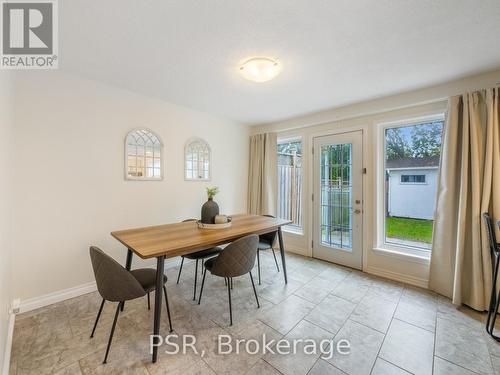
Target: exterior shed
412,187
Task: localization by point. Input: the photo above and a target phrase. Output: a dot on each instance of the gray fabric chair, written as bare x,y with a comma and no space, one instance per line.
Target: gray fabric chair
236,259
116,284
266,242
199,255
495,257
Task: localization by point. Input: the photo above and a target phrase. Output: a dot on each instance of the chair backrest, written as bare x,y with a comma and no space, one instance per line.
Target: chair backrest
114,282
491,233
237,258
269,238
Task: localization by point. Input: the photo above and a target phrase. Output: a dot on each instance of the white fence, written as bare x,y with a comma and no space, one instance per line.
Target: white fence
290,194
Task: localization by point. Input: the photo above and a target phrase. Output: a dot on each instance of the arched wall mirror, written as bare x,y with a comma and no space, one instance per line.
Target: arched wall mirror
143,156
197,160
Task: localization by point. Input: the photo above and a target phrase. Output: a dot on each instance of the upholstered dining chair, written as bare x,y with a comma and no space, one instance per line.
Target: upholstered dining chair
495,257
236,259
266,242
199,255
116,284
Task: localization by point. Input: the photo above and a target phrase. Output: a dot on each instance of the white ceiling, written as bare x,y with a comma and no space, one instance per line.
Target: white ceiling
333,52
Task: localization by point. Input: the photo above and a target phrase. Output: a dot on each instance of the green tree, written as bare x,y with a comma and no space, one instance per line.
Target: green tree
290,148
426,139
397,146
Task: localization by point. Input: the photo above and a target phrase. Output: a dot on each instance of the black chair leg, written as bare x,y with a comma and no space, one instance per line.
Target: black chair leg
97,319
225,281
112,332
202,285
195,279
493,297
231,279
254,291
202,265
149,303
275,260
168,307
258,264
180,270
494,316
230,307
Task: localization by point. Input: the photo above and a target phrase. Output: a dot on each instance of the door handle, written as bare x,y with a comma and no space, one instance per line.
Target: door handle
357,211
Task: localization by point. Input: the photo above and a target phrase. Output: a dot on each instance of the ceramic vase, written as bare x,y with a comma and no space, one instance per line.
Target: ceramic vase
208,211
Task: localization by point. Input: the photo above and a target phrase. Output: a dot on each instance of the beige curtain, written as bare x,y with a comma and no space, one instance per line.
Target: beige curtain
468,185
263,175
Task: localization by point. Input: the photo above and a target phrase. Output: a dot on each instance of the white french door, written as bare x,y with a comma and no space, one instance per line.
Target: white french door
338,199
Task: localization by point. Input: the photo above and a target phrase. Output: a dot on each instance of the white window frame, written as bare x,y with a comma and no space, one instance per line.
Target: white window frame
294,229
381,245
188,144
134,178
413,183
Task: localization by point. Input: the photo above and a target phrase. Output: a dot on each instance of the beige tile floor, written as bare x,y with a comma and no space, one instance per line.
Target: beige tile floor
392,328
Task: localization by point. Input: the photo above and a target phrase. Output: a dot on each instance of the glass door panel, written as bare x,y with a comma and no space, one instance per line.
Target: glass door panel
338,186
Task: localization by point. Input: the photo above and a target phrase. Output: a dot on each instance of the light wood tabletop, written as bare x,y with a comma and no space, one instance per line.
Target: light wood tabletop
171,240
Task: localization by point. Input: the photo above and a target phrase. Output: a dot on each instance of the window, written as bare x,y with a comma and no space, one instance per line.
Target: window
413,178
336,195
143,156
290,184
411,153
197,160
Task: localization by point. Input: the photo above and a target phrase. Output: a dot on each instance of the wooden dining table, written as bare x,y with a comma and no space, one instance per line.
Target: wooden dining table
172,240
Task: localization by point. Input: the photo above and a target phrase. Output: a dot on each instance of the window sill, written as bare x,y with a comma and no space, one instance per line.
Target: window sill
403,254
294,231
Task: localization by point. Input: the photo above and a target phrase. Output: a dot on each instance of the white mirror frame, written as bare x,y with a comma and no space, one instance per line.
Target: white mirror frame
189,142
125,153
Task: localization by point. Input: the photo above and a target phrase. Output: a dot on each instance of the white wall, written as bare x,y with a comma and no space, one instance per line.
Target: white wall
5,208
417,201
70,190
366,116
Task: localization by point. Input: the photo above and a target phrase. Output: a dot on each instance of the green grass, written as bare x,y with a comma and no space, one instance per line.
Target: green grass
409,229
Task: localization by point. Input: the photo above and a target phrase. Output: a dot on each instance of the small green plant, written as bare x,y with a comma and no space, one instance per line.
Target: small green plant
212,191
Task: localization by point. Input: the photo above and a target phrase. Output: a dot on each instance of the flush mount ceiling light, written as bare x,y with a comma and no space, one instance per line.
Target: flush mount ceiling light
260,69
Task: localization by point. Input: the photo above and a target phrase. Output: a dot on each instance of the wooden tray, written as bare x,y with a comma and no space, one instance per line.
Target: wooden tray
213,226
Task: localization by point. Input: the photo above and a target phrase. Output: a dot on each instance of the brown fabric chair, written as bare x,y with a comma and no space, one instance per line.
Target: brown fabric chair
199,255
495,257
266,242
236,259
116,284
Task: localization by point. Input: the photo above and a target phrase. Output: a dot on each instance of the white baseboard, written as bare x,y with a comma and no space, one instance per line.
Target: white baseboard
61,295
8,344
51,298
396,276
296,250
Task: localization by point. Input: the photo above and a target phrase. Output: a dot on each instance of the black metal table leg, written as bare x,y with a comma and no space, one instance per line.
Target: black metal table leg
128,266
282,251
160,262
195,279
